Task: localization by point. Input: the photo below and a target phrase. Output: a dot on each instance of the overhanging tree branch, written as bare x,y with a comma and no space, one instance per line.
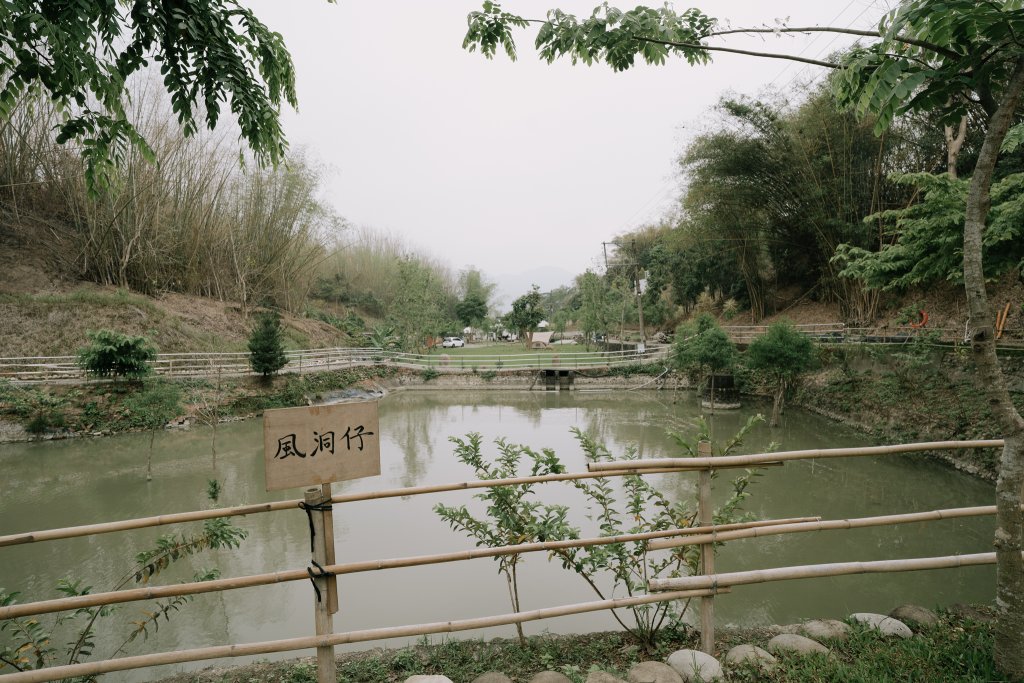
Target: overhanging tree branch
717,48
938,49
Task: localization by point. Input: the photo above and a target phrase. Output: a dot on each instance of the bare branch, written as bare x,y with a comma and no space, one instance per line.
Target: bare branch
938,49
715,48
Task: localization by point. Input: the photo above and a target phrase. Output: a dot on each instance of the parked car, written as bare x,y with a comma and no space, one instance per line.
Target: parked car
452,343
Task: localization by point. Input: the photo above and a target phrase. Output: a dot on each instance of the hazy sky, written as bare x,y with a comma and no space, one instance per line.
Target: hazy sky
512,166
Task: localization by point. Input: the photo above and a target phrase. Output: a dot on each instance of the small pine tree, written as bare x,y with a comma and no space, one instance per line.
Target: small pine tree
266,350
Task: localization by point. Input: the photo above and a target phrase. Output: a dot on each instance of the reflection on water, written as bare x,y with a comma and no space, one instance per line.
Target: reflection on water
77,482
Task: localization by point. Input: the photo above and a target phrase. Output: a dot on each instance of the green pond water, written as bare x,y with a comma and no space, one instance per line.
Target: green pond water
84,481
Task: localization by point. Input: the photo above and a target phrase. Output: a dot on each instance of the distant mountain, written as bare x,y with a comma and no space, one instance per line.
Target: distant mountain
511,286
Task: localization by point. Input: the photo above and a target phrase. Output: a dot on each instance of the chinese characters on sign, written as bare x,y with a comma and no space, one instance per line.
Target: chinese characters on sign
320,444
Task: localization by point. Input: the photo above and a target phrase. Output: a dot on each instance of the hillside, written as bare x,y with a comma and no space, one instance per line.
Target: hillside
45,314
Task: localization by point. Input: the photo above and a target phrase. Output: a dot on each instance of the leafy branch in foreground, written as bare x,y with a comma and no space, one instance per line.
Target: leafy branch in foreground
628,506
27,644
511,518
211,54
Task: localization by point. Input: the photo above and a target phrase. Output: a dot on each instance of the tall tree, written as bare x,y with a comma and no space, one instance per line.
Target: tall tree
420,311
211,54
944,57
476,292
525,314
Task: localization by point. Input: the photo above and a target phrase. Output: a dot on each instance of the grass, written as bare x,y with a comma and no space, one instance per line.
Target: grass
955,650
898,397
42,302
110,407
512,355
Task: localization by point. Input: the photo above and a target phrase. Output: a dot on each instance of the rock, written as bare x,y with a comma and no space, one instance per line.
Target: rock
887,626
825,629
602,677
428,679
492,677
653,672
694,665
750,654
550,677
915,615
791,642
971,613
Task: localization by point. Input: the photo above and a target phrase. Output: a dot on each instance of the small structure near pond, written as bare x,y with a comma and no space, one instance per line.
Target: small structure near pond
720,392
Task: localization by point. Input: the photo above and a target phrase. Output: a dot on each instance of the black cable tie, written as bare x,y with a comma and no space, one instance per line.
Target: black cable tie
319,507
321,573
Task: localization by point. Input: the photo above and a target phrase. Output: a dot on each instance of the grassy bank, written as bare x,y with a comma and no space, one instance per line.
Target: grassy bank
109,407
910,393
957,649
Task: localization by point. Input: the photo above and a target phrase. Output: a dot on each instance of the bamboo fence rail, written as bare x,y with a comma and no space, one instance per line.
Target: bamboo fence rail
241,510
198,587
813,571
758,459
199,654
716,536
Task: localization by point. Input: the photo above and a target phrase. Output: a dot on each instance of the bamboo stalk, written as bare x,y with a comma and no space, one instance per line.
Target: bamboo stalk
757,459
326,667
198,587
826,525
705,514
267,647
812,571
199,515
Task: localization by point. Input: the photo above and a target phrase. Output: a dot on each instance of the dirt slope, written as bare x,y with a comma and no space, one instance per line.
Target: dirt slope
44,315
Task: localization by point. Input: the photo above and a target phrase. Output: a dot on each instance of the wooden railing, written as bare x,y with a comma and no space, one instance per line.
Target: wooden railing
704,586
57,368
840,333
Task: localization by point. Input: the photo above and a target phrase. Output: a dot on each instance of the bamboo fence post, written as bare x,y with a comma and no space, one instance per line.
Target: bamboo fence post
705,510
326,671
332,582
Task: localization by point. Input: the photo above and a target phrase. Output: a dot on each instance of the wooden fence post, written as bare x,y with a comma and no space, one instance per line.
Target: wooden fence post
705,517
326,669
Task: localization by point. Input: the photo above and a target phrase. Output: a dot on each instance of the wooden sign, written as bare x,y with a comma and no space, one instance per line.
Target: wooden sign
320,444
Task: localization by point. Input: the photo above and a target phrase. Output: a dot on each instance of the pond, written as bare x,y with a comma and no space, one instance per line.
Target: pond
85,481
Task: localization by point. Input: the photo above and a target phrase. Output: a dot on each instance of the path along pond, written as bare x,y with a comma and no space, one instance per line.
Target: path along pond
74,482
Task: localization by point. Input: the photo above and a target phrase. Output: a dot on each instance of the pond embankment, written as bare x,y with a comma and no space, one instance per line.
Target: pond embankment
899,394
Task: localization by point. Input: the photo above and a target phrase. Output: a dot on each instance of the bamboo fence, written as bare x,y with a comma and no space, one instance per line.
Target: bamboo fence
704,586
90,669
759,459
241,510
198,587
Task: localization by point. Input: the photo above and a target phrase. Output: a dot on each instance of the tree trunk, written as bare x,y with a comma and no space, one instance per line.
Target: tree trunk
954,143
1009,631
780,393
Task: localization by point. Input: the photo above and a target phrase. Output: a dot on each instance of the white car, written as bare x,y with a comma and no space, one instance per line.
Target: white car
452,343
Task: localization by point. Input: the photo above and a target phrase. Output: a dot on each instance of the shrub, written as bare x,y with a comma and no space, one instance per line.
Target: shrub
111,354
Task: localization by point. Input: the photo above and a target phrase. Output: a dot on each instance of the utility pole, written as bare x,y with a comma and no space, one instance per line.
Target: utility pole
635,277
